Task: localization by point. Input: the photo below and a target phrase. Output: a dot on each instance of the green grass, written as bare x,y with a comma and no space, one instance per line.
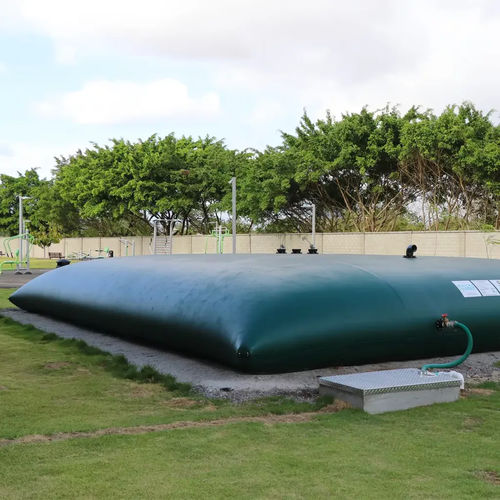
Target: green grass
49,385
34,263
5,293
64,385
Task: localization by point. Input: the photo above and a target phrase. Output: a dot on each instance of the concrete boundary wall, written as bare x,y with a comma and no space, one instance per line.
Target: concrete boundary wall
440,243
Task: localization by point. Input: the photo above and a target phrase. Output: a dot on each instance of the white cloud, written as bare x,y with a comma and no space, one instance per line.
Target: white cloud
265,111
5,150
109,102
270,58
65,54
348,38
324,52
460,65
22,156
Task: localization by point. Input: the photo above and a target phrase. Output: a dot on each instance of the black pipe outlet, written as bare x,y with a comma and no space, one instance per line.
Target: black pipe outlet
410,250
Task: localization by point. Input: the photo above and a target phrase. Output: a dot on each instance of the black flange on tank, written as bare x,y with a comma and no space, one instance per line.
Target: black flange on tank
410,250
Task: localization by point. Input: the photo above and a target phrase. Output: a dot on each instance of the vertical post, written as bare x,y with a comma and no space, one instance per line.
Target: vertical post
170,235
154,238
233,230
28,251
314,225
20,232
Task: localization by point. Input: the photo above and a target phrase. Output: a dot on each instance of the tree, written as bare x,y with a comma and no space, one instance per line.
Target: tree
453,161
122,188
347,168
38,220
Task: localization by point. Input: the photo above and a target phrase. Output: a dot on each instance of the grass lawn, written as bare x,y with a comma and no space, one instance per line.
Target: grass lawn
4,297
72,425
34,263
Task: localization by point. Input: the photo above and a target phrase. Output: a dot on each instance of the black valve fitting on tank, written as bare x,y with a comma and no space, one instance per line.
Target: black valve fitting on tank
444,322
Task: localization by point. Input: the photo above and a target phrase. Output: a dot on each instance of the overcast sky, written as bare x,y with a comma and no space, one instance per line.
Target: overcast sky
73,73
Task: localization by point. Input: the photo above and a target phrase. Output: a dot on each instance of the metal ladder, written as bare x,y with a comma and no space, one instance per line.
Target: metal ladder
163,245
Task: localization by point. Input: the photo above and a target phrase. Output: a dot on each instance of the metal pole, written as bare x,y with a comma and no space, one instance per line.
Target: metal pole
233,182
154,238
27,251
314,225
170,236
20,231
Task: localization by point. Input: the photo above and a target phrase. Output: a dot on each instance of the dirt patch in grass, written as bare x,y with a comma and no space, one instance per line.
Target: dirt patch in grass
209,407
479,391
472,423
3,388
335,407
291,418
57,365
145,390
182,403
489,476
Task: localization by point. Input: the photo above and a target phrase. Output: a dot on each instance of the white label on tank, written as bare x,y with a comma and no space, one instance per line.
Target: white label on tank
486,288
496,284
467,289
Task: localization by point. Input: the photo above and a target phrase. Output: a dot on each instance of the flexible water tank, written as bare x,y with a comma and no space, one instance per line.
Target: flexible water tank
277,313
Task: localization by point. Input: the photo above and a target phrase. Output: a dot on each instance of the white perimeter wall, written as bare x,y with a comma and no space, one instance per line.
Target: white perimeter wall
441,243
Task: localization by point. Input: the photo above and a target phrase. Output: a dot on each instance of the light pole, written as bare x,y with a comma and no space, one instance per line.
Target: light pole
233,230
312,206
314,225
21,225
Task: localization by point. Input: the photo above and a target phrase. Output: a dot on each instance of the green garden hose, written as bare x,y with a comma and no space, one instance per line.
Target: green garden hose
461,359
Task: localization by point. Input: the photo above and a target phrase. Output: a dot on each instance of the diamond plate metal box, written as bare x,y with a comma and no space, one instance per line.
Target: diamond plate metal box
391,390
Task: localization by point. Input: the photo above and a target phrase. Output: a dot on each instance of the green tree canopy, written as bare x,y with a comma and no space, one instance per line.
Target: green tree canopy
366,171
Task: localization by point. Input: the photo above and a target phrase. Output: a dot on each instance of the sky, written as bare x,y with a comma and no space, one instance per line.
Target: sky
77,73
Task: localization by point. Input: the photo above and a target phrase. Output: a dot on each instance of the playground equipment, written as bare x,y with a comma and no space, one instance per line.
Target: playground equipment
279,313
162,244
219,233
101,254
79,256
490,240
17,258
127,244
22,237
